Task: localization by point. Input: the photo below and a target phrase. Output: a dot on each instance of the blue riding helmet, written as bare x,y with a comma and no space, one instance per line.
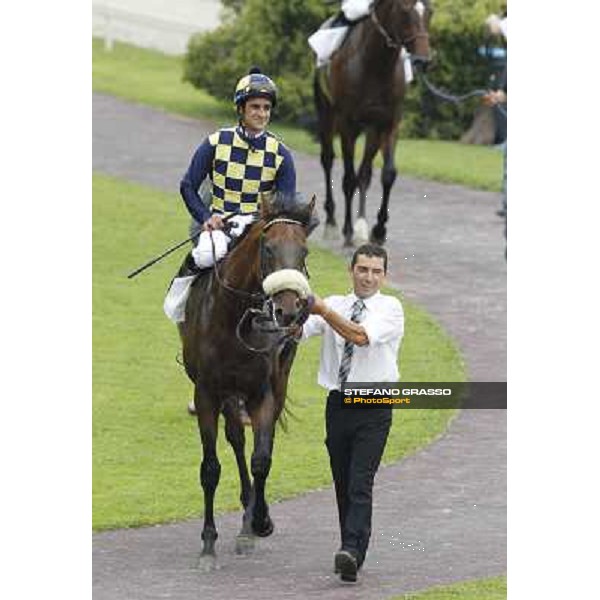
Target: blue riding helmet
255,85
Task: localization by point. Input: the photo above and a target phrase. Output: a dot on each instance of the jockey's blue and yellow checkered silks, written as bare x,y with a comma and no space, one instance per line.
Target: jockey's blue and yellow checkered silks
241,171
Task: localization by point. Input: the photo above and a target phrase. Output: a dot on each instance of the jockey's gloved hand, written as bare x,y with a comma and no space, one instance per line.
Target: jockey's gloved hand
213,223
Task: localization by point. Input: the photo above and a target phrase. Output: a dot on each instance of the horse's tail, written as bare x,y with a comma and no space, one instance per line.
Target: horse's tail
286,414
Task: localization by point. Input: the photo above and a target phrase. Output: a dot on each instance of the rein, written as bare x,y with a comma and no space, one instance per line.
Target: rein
447,97
253,296
263,319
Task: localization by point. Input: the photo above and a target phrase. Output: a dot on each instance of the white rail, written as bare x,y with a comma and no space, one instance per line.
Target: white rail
166,31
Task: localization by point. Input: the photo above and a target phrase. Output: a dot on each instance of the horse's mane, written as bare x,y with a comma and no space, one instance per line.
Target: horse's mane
289,206
285,206
292,206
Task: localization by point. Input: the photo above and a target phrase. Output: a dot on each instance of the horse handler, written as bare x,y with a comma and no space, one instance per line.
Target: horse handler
361,333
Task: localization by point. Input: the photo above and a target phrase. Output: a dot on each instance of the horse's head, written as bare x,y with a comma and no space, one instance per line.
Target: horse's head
286,225
411,22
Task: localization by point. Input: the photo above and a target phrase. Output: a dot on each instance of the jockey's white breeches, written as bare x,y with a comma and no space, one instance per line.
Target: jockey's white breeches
204,257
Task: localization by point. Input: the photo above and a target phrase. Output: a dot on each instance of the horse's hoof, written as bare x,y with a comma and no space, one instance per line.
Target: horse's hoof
331,232
378,236
361,231
266,528
207,563
348,242
244,544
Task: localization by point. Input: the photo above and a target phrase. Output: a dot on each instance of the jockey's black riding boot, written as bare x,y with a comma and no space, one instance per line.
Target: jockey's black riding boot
188,267
340,20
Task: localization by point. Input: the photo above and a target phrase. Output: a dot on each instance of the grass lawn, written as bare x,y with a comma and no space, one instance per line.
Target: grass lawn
146,450
152,78
480,589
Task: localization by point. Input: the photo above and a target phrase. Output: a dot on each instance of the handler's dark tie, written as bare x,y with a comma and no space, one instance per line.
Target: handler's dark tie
357,310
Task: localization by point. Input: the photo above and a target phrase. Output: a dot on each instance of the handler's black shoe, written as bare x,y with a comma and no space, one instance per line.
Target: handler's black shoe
345,565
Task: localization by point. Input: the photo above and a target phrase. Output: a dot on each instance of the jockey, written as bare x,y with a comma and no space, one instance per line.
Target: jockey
240,162
332,33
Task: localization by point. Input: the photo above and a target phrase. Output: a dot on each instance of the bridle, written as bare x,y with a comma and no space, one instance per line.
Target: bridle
264,319
389,40
260,295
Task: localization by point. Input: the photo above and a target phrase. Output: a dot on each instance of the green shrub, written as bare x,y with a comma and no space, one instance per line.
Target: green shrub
270,35
274,36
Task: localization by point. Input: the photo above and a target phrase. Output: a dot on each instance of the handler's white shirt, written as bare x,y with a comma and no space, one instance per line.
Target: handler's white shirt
383,321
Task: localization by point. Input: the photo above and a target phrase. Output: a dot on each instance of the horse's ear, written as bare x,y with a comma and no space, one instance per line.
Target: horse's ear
313,221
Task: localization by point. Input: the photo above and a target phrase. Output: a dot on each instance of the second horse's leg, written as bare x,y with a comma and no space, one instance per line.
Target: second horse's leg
325,118
349,182
361,228
388,176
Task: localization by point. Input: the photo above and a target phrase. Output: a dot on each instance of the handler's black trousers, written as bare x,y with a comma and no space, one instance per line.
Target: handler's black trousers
355,440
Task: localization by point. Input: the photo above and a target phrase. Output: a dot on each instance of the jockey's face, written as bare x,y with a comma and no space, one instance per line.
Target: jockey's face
255,114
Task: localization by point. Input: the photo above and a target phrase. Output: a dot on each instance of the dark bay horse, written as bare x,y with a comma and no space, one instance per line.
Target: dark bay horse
361,90
238,342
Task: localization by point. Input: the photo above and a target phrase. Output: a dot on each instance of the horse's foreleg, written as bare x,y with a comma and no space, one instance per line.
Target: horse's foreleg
361,229
210,469
348,183
388,176
234,432
256,520
260,463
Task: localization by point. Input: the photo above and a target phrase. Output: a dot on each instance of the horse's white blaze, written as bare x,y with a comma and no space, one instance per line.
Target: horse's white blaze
420,8
361,231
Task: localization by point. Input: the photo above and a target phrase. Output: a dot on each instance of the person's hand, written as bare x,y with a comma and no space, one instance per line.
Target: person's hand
493,24
494,97
215,222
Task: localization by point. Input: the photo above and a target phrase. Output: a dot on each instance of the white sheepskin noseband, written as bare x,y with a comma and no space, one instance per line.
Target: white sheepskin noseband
286,279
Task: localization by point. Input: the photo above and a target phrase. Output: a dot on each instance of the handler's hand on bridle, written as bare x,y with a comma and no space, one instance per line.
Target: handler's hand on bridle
215,222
